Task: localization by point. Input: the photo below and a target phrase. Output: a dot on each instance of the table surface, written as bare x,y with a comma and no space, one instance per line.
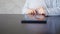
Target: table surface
11,24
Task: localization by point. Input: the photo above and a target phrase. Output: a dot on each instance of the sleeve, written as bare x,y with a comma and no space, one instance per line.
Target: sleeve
55,10
24,9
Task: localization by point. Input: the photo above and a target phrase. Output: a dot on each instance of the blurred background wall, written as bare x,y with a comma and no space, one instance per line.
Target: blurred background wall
11,6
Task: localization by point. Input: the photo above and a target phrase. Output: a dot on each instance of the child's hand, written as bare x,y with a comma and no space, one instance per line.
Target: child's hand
30,13
41,11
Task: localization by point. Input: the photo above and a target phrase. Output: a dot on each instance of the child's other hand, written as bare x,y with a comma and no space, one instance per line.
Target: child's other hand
41,11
